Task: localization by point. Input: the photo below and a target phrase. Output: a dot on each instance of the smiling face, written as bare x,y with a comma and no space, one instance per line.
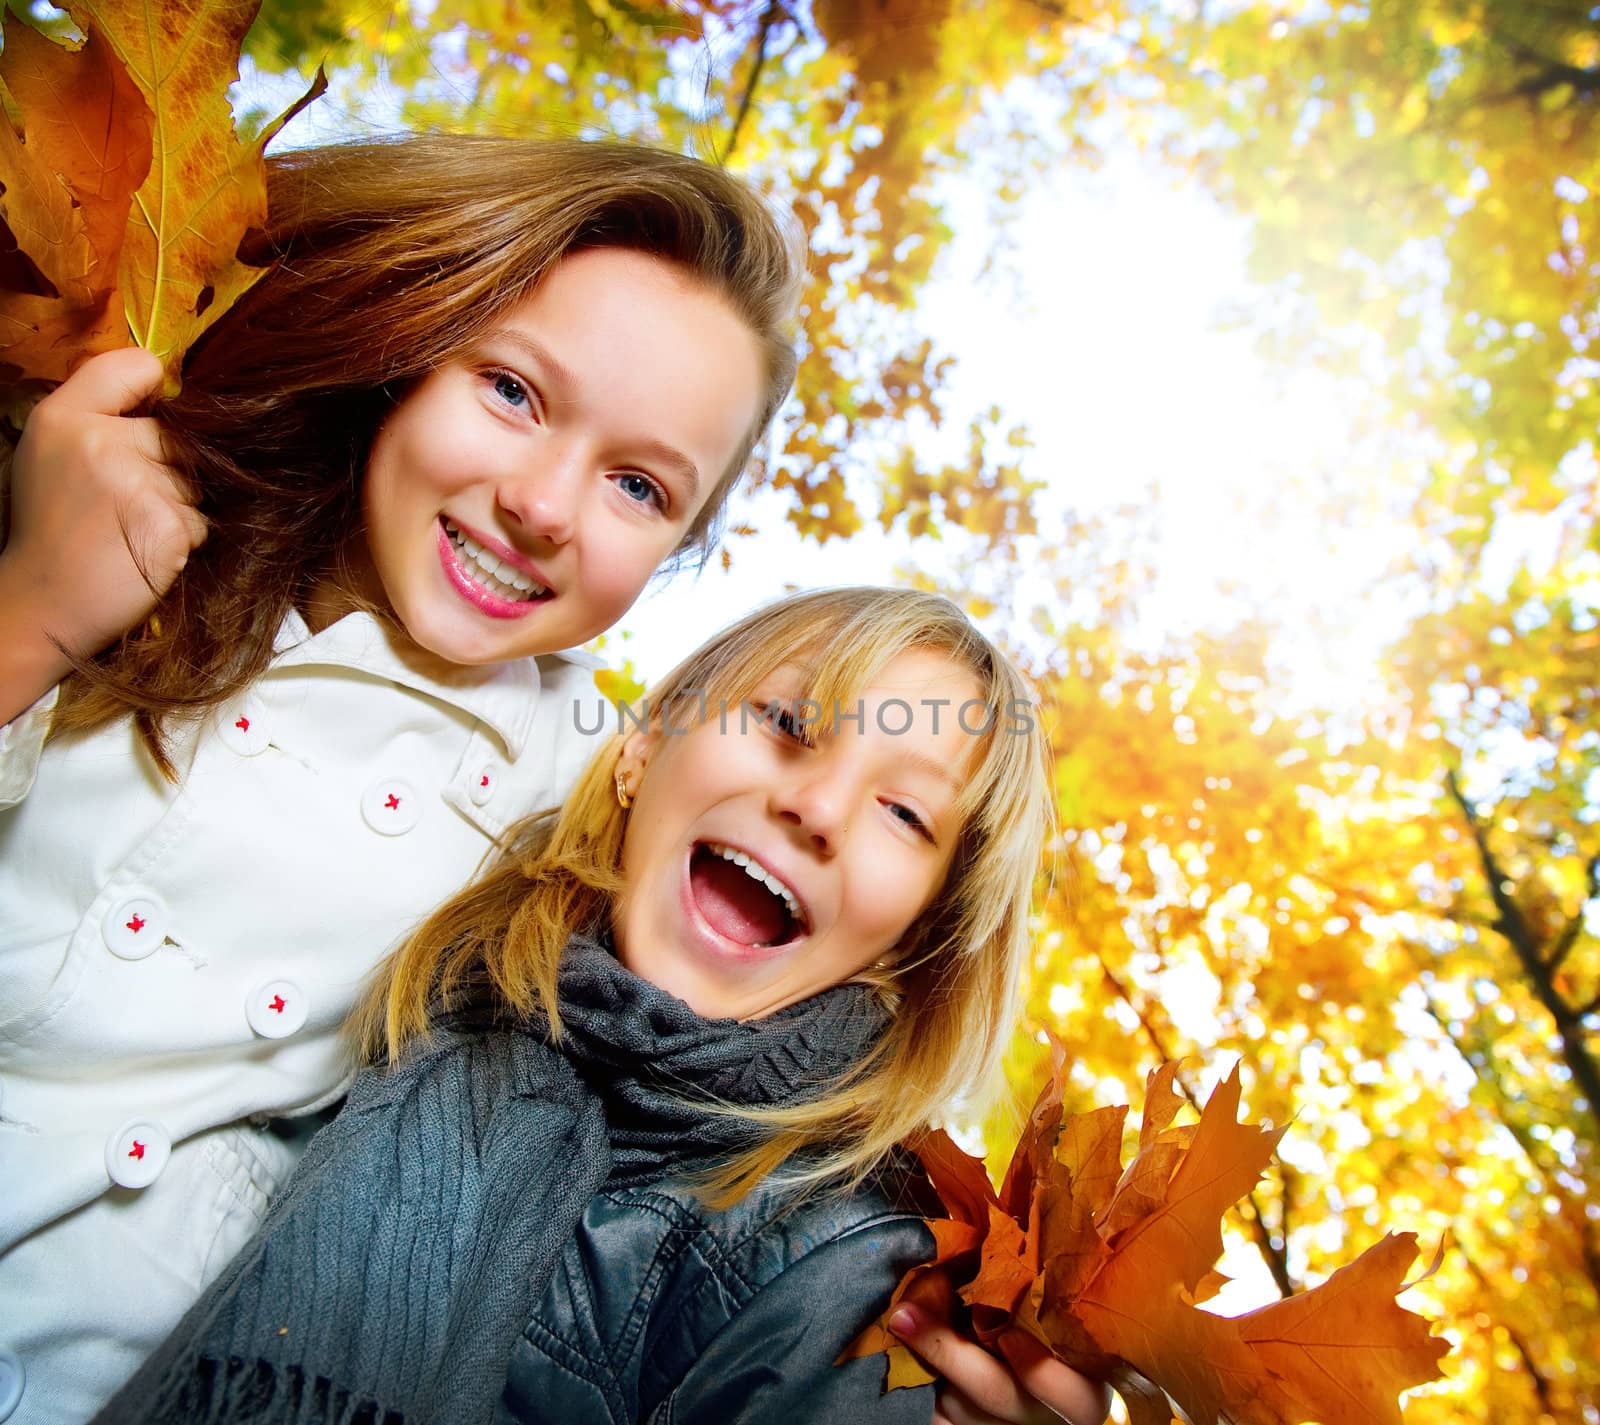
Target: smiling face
763,866
519,498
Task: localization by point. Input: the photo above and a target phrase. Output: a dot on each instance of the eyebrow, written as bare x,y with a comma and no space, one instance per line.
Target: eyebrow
934,768
658,452
557,373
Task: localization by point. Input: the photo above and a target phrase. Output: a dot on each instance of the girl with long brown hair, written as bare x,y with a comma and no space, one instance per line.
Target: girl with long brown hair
283,656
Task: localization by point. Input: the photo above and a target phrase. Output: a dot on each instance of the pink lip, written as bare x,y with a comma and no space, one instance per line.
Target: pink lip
715,941
476,594
503,552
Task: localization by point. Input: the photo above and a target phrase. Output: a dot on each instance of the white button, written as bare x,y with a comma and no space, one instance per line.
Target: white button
481,788
137,1152
12,1377
276,1009
391,806
243,727
135,926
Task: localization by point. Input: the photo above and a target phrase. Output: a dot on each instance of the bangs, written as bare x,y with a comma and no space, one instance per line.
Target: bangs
839,642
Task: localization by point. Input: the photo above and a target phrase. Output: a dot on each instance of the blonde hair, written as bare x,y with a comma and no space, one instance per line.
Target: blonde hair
951,986
388,260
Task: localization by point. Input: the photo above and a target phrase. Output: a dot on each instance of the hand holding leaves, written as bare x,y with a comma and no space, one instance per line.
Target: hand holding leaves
1106,1265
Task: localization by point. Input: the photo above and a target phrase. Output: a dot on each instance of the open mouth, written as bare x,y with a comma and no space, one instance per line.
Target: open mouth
502,580
742,900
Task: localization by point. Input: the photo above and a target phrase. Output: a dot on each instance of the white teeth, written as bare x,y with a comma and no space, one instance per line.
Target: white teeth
757,872
494,573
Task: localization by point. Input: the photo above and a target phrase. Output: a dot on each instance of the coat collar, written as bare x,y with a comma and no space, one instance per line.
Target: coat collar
505,696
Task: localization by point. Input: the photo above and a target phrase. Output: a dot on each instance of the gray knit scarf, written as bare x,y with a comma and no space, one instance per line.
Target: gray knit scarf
391,1278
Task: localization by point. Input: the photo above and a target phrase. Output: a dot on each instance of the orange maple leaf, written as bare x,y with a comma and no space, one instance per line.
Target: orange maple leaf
1105,1264
69,180
126,195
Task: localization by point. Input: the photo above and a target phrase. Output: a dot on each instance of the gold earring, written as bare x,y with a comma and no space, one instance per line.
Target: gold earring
623,799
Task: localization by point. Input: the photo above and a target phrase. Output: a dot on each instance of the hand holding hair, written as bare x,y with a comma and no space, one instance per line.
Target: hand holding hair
100,525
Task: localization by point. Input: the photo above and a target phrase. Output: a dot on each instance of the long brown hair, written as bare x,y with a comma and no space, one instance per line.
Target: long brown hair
951,984
388,260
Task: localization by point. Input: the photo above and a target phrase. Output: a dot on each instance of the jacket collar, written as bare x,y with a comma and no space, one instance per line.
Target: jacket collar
504,696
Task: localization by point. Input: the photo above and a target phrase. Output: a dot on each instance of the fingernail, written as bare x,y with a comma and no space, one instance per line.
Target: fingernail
903,1321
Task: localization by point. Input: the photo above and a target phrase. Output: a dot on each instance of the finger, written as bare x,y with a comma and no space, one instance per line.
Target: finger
972,1371
145,438
1072,1396
165,528
112,383
148,442
195,526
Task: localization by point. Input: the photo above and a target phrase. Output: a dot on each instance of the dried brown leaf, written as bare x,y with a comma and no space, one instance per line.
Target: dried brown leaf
1106,1269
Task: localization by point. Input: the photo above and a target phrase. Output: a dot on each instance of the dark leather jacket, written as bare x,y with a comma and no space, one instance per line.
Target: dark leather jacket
491,1200
664,1311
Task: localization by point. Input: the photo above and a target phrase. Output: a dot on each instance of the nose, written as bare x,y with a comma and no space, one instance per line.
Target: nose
543,501
814,803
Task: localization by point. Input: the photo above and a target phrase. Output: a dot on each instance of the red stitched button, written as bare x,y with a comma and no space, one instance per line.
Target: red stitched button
242,726
482,784
391,806
137,1152
135,926
276,1009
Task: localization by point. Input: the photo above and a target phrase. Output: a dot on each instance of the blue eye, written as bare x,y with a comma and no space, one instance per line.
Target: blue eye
509,389
637,487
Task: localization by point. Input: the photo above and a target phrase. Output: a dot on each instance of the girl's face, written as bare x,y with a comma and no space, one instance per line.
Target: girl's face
520,497
765,861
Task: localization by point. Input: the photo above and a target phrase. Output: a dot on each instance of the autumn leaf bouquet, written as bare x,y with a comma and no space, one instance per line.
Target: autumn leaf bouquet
1106,1265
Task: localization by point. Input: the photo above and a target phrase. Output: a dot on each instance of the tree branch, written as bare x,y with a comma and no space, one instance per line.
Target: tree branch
1514,928
1477,1053
1564,943
1551,73
769,17
1574,927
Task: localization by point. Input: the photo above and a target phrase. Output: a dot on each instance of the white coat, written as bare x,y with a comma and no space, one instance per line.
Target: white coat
176,960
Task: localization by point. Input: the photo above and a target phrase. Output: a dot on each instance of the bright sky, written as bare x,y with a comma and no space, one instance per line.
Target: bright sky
1102,335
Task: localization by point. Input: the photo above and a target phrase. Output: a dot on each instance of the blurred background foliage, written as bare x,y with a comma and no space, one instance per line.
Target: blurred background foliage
1389,905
